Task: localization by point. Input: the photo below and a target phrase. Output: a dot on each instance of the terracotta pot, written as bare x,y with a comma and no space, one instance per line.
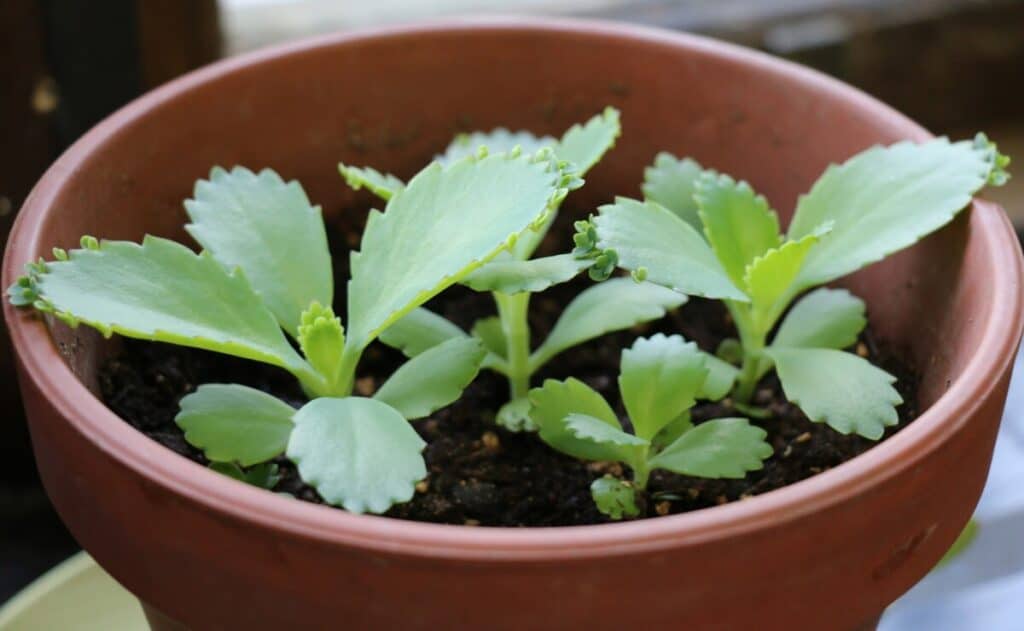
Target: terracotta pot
827,553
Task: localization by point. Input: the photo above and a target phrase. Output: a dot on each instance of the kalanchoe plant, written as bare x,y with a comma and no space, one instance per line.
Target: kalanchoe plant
660,379
513,276
699,232
265,272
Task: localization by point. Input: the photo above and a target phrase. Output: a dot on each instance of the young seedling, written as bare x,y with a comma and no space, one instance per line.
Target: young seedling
703,233
265,272
660,379
513,276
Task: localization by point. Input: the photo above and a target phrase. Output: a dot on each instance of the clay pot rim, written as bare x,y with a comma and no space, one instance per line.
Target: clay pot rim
41,362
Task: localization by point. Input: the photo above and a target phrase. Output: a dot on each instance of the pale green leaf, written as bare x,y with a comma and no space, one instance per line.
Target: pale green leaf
721,377
357,453
552,405
490,332
233,423
769,279
419,330
322,339
671,182
824,318
264,475
588,428
719,448
738,223
671,432
499,140
885,199
514,416
614,497
434,378
383,185
512,276
613,305
660,379
160,290
838,388
648,237
269,229
584,145
423,243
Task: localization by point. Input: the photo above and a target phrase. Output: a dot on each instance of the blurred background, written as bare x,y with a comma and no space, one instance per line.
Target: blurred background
956,66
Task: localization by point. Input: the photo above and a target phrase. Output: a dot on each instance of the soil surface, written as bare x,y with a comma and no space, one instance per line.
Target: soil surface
478,473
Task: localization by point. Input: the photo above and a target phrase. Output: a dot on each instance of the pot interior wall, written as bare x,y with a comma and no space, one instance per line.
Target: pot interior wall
393,104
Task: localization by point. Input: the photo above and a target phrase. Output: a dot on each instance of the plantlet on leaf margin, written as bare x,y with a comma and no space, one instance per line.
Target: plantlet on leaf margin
660,380
513,276
702,233
265,271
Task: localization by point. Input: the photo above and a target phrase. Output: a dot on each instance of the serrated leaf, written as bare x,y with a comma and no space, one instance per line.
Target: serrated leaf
769,279
555,401
671,432
588,428
264,475
489,331
614,497
383,185
420,245
647,236
514,416
660,379
838,388
739,224
824,318
160,290
499,140
233,423
322,338
513,276
584,145
269,229
419,330
613,305
357,453
719,448
721,377
671,182
434,378
885,199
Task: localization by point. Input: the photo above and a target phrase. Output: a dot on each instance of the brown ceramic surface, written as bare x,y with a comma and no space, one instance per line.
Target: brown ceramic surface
827,553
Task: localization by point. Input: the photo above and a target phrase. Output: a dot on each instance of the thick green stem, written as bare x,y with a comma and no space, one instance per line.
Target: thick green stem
345,380
641,472
512,310
752,339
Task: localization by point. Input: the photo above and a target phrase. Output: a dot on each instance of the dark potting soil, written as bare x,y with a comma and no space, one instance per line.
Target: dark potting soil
480,474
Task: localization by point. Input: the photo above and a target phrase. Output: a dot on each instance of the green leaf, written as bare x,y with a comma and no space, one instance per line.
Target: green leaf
885,199
588,428
489,331
647,236
659,379
719,448
419,330
434,378
264,475
671,182
513,277
838,388
269,229
233,423
769,279
824,318
420,245
499,140
614,497
515,416
160,290
613,305
322,339
584,145
671,432
552,405
383,185
357,453
721,377
738,223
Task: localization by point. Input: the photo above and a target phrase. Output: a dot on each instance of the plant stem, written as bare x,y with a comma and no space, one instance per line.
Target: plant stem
641,472
752,340
512,311
342,385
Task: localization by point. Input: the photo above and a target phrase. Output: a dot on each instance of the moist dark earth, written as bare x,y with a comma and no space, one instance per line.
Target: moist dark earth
478,473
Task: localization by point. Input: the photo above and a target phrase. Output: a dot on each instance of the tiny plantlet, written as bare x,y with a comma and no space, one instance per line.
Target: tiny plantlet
704,233
660,379
264,275
514,275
